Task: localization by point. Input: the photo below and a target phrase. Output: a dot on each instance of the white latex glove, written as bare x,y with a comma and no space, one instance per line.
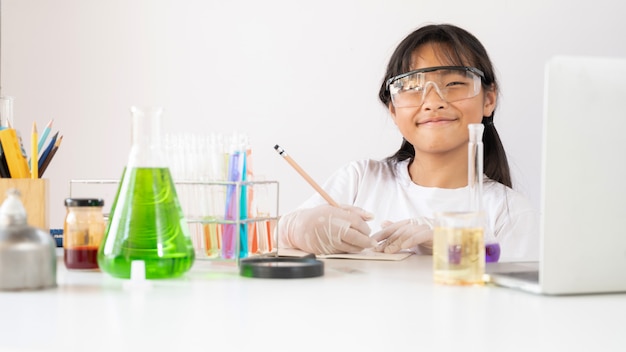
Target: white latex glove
405,234
326,229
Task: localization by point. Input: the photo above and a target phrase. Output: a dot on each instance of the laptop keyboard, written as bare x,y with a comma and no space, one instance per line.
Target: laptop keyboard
531,276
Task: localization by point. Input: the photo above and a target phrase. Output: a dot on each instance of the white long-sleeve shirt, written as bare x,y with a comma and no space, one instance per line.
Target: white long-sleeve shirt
371,185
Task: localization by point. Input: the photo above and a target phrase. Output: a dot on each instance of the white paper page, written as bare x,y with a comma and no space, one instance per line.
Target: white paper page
365,255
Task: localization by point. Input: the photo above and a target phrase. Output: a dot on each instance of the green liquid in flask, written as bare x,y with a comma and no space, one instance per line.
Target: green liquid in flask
146,223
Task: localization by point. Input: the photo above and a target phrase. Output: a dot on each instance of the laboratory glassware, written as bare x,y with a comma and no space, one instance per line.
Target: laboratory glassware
83,231
146,221
458,248
6,112
475,184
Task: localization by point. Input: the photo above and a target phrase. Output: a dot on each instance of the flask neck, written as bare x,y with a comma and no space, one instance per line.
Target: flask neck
6,112
146,150
475,166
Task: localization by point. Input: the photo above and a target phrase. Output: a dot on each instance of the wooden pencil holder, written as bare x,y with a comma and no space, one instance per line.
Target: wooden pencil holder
34,194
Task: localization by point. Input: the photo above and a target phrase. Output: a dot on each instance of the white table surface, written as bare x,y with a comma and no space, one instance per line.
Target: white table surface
356,306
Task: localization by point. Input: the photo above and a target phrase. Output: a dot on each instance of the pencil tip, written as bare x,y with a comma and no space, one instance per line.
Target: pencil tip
280,150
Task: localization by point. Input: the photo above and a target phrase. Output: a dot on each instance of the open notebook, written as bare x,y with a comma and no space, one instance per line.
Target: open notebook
583,190
364,255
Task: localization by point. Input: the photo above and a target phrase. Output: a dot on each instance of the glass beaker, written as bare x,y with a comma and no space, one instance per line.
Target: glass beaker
146,221
458,248
475,184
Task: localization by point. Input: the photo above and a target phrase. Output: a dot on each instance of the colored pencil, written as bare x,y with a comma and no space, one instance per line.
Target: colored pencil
50,156
46,151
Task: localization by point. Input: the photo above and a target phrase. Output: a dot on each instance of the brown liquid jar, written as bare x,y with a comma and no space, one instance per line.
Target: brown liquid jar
83,232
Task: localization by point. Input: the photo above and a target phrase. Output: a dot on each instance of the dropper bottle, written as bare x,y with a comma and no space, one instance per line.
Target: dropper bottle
475,178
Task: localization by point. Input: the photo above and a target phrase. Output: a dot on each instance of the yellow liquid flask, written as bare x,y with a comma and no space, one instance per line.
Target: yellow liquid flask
146,222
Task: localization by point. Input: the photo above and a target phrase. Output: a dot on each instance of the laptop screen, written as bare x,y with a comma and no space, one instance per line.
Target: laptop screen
583,183
583,239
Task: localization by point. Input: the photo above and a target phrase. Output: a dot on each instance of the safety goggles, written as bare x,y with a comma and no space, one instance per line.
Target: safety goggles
452,83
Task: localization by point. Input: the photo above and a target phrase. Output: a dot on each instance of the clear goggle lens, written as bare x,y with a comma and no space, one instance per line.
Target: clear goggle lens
452,83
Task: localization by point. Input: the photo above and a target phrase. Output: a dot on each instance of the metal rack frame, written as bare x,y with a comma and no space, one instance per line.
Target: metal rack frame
220,220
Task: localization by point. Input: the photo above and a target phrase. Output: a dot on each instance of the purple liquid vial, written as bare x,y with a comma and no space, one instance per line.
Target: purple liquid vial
492,252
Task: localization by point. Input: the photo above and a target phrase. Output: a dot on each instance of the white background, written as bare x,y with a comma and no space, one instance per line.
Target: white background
304,75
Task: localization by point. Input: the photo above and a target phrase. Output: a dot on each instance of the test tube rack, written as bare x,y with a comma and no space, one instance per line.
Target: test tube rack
205,205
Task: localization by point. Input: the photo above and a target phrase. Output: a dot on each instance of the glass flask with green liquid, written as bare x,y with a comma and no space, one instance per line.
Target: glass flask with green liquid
146,222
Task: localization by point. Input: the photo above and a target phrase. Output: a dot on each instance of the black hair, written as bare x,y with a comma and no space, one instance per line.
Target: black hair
461,48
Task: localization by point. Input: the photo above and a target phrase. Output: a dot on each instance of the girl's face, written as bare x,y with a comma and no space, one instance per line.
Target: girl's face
439,126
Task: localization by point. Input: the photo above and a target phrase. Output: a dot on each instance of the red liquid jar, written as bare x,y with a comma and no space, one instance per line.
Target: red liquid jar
82,232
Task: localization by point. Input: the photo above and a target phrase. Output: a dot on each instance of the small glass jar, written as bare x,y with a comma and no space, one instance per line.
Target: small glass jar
83,232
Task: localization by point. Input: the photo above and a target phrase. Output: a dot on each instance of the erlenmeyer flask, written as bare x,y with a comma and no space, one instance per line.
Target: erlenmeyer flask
146,221
475,183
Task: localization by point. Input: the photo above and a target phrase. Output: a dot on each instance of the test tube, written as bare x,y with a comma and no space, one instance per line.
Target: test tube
475,180
475,165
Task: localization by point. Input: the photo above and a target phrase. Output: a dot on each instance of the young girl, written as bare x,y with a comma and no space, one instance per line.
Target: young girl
438,80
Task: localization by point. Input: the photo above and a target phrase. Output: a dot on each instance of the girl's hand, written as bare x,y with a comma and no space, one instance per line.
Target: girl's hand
405,234
326,229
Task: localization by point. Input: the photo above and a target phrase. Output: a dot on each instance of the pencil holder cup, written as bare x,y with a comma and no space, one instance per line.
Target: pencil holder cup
34,196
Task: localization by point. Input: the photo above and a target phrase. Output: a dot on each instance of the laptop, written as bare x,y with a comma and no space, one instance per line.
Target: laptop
583,183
